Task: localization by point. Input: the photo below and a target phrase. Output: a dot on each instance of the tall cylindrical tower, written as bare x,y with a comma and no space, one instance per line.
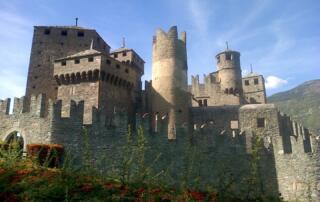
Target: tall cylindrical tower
229,75
170,94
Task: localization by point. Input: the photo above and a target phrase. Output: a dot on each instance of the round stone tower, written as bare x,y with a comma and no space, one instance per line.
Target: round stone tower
229,75
170,96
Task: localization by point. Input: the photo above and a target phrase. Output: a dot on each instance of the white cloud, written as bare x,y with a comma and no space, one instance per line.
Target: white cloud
273,82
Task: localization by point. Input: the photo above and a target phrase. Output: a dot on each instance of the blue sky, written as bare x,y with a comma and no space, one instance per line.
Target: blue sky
281,39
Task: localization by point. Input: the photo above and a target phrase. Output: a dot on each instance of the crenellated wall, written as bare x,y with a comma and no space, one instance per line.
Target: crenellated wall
46,124
210,93
33,126
295,150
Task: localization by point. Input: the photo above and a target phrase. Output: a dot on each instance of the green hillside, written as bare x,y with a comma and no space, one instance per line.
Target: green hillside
302,103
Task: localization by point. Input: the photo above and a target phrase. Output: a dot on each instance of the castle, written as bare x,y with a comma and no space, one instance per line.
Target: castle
75,82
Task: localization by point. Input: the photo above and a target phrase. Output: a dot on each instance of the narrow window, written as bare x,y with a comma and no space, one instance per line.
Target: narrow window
64,33
124,53
218,58
47,31
256,81
63,63
118,66
205,102
228,56
90,59
127,71
76,61
108,62
115,55
246,82
80,34
200,103
260,122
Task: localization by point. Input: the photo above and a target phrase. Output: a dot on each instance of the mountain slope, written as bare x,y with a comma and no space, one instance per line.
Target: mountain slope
302,103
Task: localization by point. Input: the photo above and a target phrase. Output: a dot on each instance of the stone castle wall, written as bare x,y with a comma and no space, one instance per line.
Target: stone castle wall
210,93
289,155
295,150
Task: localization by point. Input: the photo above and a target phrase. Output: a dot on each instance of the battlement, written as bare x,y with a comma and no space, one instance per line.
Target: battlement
294,136
167,45
37,105
5,106
171,34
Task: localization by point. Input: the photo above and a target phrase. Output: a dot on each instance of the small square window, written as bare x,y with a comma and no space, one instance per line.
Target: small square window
115,55
108,62
228,56
124,53
246,82
76,61
80,34
260,122
90,59
205,102
256,81
63,63
34,87
64,33
118,66
47,31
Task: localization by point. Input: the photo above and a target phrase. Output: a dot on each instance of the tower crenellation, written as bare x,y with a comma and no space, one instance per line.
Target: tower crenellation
5,106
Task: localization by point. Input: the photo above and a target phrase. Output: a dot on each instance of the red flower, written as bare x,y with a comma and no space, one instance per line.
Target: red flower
87,187
2,171
155,191
140,192
23,172
198,196
108,186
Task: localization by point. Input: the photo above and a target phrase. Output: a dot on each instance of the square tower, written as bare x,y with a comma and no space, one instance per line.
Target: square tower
100,81
50,43
254,91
